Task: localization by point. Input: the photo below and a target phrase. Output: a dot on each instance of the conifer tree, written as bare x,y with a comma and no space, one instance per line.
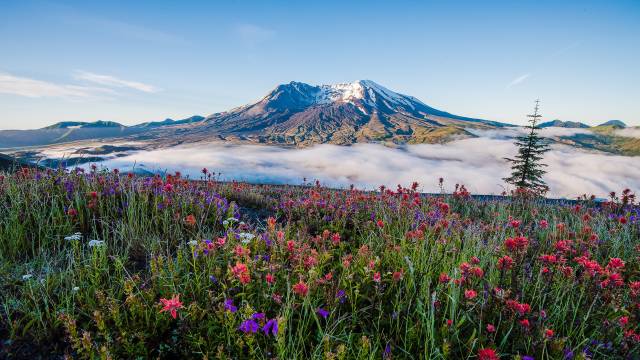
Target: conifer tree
526,167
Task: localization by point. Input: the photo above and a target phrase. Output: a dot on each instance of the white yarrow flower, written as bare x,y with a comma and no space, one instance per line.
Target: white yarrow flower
27,276
193,243
74,237
75,289
246,238
93,243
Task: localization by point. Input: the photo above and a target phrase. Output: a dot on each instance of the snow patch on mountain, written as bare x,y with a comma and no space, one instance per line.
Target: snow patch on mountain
365,91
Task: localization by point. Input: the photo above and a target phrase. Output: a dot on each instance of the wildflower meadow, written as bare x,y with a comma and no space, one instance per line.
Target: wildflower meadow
109,265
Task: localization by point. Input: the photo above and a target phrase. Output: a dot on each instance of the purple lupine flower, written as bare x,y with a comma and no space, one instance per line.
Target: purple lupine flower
271,326
387,351
322,312
249,326
527,357
568,354
228,305
266,239
214,280
258,316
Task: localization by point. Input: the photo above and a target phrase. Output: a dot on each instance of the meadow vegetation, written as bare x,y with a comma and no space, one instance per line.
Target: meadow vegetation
97,264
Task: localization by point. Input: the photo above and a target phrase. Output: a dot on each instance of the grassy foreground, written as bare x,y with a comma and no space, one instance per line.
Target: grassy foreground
108,265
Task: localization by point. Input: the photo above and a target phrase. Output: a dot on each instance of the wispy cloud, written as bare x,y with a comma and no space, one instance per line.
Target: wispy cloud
33,88
563,50
520,79
112,81
251,34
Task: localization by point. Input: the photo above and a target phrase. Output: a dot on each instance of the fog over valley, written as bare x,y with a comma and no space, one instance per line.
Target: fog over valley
477,162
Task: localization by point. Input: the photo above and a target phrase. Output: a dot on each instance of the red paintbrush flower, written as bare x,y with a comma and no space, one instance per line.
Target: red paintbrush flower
487,354
171,305
190,220
470,294
301,288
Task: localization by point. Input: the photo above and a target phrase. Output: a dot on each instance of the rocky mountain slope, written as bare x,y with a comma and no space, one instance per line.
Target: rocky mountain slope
363,111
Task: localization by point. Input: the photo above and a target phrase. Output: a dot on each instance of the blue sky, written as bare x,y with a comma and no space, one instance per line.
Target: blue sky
139,61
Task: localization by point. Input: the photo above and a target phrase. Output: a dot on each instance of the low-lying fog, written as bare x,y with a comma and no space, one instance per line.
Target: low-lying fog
478,163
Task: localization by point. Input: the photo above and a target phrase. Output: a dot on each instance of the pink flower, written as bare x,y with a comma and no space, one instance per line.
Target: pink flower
615,263
505,263
301,288
270,279
518,243
487,354
444,278
623,321
377,277
397,276
221,241
241,271
190,220
335,239
172,305
470,294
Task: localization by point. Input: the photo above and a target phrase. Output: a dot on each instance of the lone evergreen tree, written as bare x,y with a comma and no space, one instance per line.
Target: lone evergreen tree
526,168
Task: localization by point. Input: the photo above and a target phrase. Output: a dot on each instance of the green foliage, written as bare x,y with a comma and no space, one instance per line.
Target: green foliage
526,167
394,271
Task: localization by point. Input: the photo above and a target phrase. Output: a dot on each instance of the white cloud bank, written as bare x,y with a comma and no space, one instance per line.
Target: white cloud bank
478,163
629,132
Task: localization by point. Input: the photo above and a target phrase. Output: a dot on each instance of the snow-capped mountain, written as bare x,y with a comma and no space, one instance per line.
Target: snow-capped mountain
362,111
296,114
361,91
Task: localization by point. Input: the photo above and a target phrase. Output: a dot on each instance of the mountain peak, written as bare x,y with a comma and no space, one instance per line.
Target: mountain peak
83,124
564,124
614,123
343,113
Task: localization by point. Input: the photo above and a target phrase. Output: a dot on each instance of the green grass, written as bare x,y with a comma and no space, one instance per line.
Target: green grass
66,297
